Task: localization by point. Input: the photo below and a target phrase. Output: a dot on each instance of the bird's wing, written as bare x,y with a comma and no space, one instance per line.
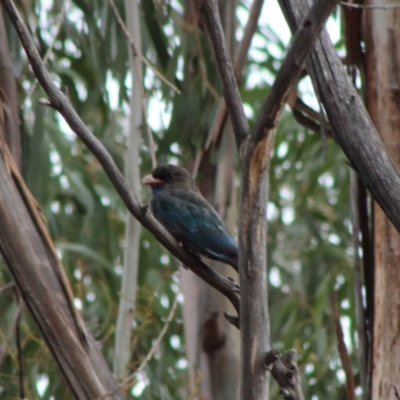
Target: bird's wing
192,220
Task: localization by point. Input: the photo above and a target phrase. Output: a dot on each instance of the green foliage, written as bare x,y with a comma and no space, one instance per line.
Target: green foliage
309,239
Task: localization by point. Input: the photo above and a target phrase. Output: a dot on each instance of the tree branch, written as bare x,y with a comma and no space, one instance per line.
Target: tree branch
342,349
60,102
255,159
212,21
353,129
240,59
361,326
292,67
252,231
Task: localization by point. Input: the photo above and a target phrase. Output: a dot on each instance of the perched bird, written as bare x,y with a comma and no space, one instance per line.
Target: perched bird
178,205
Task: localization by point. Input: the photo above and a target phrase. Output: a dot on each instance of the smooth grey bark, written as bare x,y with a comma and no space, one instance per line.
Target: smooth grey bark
123,333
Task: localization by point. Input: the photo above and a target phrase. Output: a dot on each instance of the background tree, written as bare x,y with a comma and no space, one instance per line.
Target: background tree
309,237
381,95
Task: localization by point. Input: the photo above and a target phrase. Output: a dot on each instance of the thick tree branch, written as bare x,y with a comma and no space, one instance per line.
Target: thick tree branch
35,269
254,323
252,232
210,15
353,129
60,102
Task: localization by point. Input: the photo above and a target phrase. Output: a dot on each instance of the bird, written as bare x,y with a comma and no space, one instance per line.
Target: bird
180,207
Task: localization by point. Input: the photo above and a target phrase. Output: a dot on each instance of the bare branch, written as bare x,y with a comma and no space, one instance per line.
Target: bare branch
210,15
49,50
138,76
352,126
136,52
11,332
157,342
7,286
342,349
124,384
254,321
244,45
292,67
361,326
19,347
61,103
240,59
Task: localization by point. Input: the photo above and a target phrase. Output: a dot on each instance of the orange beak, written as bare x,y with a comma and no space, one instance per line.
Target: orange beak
150,180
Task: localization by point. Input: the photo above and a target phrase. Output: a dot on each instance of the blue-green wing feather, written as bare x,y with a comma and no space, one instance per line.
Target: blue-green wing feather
191,220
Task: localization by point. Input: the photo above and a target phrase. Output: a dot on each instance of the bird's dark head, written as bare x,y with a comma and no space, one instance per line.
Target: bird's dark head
171,177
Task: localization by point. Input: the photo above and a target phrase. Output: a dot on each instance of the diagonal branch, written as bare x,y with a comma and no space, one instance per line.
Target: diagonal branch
342,349
210,15
353,129
60,102
239,61
292,67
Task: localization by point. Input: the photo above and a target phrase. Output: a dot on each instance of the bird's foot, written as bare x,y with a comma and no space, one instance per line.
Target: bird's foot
233,319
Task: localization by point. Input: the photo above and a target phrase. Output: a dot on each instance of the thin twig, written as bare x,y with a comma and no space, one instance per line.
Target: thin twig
248,33
7,286
240,59
138,77
157,342
153,349
210,15
358,282
342,349
396,393
136,52
11,332
59,102
19,347
49,50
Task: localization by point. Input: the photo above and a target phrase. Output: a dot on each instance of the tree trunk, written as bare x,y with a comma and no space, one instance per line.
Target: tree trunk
383,103
123,333
212,342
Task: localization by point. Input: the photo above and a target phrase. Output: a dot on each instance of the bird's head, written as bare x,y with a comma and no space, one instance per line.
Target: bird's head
171,177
